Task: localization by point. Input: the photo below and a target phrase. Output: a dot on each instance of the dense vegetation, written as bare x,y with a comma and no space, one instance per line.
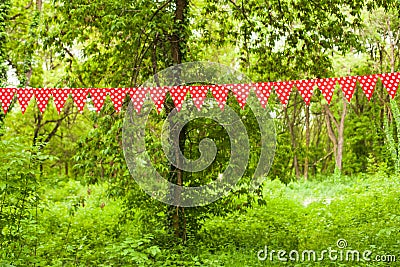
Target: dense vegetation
68,199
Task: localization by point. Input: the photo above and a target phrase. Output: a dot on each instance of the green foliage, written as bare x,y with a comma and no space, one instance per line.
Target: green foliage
97,215
4,10
19,196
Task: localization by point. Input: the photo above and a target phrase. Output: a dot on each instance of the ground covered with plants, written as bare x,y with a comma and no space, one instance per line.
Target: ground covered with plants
59,221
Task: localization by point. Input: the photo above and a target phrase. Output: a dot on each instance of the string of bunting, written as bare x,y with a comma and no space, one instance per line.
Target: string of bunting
198,94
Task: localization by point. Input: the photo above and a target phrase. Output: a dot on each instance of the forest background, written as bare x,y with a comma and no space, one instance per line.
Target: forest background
67,197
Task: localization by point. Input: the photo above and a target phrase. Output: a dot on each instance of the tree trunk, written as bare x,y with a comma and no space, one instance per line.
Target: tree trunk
307,142
291,124
176,174
337,138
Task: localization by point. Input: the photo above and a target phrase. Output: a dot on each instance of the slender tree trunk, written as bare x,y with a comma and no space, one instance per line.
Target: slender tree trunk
339,158
176,174
291,123
338,138
307,142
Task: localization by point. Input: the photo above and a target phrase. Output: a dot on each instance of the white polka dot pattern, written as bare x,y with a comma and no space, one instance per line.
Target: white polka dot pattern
391,82
42,96
178,94
6,96
241,91
98,96
24,96
327,87
263,91
220,94
198,94
60,96
368,84
80,96
158,95
117,96
138,95
348,85
283,90
306,88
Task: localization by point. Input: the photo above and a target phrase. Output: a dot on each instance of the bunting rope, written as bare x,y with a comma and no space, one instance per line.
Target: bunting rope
198,93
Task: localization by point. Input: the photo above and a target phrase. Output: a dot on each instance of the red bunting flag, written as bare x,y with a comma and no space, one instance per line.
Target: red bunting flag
117,96
42,96
198,95
241,91
98,96
60,96
158,95
220,94
283,90
368,84
327,87
306,88
178,94
6,96
391,82
79,95
138,96
348,85
263,91
24,96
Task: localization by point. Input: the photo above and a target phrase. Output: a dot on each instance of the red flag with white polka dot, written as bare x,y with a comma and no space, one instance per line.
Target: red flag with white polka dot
327,87
24,96
306,88
60,96
6,96
138,95
241,91
391,82
198,94
42,96
348,85
368,84
80,96
158,95
283,90
98,96
220,94
117,96
263,91
178,94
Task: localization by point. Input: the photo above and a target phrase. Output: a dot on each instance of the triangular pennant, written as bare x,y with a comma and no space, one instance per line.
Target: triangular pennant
79,95
158,95
98,96
263,91
391,82
60,96
42,96
348,85
178,94
198,94
24,96
138,95
6,96
283,90
306,88
368,84
220,94
117,96
327,87
241,91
